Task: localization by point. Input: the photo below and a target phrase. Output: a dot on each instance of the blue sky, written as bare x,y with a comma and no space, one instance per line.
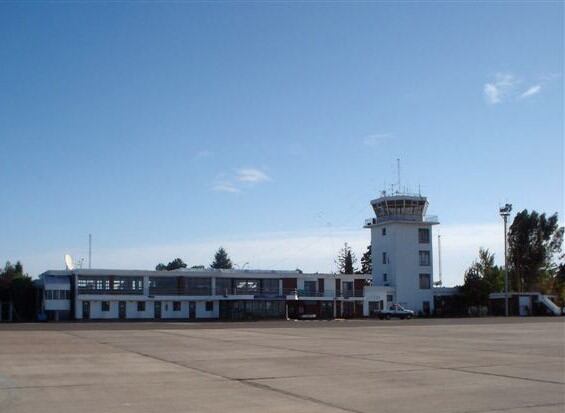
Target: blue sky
168,129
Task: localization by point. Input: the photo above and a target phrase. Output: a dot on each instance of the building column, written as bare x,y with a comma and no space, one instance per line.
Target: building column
146,286
213,292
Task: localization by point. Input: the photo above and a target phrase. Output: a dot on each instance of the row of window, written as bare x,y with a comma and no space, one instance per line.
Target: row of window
423,235
57,294
109,284
105,306
425,258
425,280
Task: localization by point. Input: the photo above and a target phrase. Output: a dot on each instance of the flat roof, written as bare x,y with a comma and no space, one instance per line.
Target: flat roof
201,273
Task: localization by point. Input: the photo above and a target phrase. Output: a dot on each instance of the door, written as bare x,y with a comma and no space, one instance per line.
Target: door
289,286
157,306
122,310
524,303
86,310
192,310
426,307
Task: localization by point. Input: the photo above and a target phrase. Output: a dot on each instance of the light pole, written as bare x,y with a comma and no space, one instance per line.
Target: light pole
504,213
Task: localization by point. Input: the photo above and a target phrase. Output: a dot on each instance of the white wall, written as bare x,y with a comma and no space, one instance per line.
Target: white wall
403,267
202,313
167,311
373,293
132,313
96,312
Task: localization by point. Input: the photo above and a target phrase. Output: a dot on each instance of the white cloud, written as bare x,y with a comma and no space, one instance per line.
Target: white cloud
233,184
376,139
202,154
502,87
311,251
251,175
533,90
225,186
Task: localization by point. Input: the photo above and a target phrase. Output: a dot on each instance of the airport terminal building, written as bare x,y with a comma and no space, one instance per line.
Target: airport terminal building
85,294
402,273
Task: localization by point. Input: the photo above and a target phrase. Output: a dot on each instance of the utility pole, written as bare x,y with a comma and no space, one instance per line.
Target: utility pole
504,213
89,251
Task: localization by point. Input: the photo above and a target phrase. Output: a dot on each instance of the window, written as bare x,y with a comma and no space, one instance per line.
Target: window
389,298
383,231
385,277
209,305
223,286
48,294
425,282
176,305
250,287
425,258
270,286
310,288
384,258
105,305
141,306
426,307
424,235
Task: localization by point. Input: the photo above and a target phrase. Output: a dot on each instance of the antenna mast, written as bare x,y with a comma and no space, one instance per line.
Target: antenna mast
439,258
89,251
398,174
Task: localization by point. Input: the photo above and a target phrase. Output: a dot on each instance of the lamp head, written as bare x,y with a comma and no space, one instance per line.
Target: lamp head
505,210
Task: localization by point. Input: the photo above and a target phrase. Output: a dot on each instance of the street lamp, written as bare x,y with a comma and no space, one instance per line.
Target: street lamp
504,213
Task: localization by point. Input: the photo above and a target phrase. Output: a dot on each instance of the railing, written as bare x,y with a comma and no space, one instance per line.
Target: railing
239,291
94,291
327,294
408,218
178,291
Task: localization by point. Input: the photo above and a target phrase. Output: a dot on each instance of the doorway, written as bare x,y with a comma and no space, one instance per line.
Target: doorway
86,310
157,307
122,310
192,310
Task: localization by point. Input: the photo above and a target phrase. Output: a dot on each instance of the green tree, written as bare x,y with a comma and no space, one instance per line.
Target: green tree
221,260
367,262
346,260
17,287
492,274
173,265
534,241
475,289
481,279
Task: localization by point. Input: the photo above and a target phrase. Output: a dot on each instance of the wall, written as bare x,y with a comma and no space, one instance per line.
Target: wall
403,267
167,311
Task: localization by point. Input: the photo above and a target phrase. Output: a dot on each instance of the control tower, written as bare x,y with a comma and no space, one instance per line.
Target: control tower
401,248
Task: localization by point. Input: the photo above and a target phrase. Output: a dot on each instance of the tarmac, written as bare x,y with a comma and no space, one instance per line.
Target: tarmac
513,365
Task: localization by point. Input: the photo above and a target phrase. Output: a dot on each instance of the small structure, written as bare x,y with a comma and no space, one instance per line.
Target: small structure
524,304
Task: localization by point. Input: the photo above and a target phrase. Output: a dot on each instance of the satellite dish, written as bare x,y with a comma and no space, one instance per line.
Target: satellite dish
69,262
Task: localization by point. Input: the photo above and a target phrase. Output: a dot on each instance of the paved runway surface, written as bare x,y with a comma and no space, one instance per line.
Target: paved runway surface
467,365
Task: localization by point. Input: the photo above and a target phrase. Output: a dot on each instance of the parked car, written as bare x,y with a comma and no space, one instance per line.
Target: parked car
395,310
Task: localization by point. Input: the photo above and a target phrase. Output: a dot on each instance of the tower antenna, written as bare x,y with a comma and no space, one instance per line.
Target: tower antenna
89,251
398,173
439,257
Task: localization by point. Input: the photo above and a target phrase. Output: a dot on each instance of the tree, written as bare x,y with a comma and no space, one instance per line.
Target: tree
17,287
481,279
475,289
367,262
533,242
173,265
222,260
346,260
492,274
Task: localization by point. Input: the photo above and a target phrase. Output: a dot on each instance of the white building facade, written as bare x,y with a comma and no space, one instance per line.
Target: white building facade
101,294
401,248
